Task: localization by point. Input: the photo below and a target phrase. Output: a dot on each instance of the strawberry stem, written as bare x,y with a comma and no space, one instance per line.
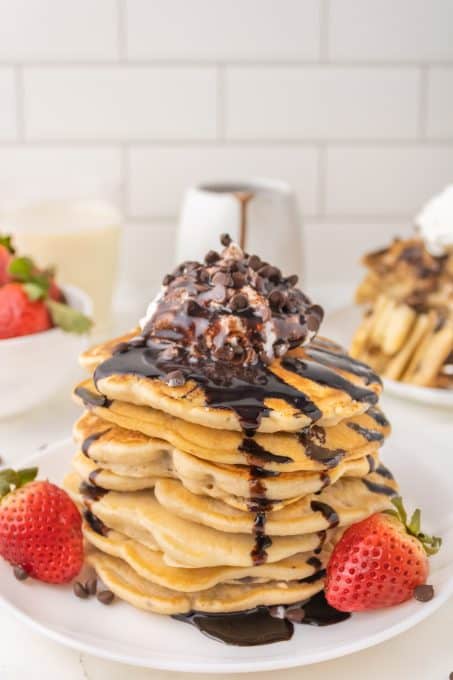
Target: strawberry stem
431,544
14,479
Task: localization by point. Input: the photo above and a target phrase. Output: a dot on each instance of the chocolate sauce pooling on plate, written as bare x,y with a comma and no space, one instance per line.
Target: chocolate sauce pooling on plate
259,627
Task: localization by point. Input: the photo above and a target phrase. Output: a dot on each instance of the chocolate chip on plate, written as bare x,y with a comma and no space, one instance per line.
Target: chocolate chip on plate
424,593
20,573
91,586
80,590
106,597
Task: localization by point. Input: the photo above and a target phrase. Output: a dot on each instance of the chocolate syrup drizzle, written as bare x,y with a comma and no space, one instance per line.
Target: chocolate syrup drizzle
327,512
369,435
313,438
266,625
375,487
91,399
85,447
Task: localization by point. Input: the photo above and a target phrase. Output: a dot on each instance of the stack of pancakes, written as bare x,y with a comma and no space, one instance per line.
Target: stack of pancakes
407,331
218,487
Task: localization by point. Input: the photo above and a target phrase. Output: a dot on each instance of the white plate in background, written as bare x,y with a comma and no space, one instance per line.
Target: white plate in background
341,324
122,633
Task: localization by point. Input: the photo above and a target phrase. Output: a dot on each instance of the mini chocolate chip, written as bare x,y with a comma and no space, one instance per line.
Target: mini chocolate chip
91,586
274,274
175,379
225,240
20,573
265,269
239,302
194,309
239,279
222,279
254,262
295,615
292,280
105,597
211,257
203,276
80,590
168,278
276,299
260,284
424,593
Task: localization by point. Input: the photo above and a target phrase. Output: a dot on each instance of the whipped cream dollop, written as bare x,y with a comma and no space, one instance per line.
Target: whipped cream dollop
233,307
435,222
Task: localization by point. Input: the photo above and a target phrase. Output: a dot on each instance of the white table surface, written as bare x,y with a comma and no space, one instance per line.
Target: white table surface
423,653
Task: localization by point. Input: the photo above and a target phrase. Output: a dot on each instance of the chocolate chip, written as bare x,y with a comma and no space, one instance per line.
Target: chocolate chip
276,299
203,276
194,309
274,274
106,597
175,379
424,593
239,279
222,279
239,302
451,676
168,278
295,615
20,573
211,257
80,590
91,586
265,269
292,280
225,240
254,262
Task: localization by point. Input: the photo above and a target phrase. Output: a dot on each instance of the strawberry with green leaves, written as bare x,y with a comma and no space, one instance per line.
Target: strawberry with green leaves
30,300
379,562
40,528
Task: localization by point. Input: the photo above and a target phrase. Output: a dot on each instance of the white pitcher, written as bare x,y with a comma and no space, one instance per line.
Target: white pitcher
259,214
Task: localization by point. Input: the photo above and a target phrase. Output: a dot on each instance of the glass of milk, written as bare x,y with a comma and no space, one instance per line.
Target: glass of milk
80,237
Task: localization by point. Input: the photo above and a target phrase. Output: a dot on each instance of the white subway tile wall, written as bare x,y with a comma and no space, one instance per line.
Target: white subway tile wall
351,102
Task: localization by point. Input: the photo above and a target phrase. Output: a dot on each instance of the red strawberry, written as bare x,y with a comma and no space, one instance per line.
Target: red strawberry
40,529
379,562
5,259
19,315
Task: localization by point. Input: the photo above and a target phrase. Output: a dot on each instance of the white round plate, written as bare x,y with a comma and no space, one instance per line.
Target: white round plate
341,325
124,634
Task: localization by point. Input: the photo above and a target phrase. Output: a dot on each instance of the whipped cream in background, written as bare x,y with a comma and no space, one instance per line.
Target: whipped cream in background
435,222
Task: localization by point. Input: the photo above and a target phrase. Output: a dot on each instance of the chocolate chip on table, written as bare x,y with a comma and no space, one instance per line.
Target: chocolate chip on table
211,257
20,573
175,378
106,597
225,240
424,593
80,590
91,586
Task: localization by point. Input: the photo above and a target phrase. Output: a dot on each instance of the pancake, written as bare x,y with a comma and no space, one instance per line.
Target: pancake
348,501
220,481
126,584
141,433
151,566
318,383
184,543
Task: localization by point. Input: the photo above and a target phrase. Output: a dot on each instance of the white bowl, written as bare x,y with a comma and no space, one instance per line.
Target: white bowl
33,367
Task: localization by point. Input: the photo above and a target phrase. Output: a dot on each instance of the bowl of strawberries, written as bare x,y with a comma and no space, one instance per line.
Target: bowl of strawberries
43,327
